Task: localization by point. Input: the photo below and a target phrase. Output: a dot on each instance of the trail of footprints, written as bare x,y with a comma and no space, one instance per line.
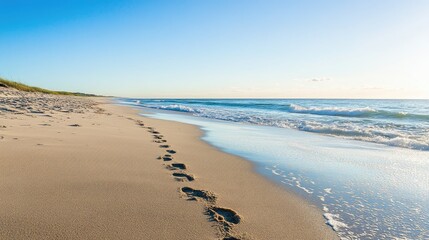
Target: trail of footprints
224,218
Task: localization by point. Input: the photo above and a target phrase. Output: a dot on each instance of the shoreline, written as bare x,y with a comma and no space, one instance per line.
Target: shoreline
347,180
95,174
245,165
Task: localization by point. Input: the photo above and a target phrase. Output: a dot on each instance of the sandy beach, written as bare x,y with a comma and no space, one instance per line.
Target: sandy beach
213,120
86,168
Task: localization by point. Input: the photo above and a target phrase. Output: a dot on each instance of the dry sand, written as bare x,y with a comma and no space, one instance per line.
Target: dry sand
84,168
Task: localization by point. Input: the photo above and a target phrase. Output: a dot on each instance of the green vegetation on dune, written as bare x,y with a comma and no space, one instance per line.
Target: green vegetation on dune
26,88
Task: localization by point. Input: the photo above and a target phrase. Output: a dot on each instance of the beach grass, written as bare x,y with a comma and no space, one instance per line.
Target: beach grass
26,88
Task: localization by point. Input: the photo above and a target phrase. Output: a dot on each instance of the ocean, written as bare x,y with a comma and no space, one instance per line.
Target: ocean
364,163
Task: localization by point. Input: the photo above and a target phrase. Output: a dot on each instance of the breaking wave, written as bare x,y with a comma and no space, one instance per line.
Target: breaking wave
364,123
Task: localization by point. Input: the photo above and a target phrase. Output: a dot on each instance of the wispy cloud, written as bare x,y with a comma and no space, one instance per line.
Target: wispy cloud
319,79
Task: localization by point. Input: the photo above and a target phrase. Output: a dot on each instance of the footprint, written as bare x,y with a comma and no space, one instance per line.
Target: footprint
164,146
171,151
194,194
154,132
180,176
74,125
179,165
166,158
160,141
176,166
157,136
226,219
224,215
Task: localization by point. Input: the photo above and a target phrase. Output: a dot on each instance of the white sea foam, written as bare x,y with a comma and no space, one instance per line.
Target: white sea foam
332,111
332,220
178,107
328,190
298,185
276,172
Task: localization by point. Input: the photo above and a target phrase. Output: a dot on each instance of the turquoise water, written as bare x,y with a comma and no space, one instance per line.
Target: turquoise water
365,188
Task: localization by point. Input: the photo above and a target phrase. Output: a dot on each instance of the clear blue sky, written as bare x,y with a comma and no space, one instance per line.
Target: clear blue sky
219,48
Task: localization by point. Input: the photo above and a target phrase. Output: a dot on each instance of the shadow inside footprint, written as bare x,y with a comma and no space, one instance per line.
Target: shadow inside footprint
176,166
224,215
230,238
181,176
171,151
194,194
157,136
165,158
179,165
138,122
164,146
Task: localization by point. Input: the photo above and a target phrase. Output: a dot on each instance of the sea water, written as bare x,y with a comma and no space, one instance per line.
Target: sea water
364,163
